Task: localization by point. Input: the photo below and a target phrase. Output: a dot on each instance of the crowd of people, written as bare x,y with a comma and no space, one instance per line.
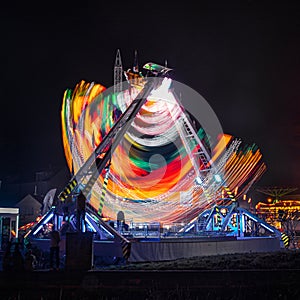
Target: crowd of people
16,260
21,257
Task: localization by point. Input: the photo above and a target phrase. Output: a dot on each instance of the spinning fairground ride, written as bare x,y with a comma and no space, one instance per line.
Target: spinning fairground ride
153,176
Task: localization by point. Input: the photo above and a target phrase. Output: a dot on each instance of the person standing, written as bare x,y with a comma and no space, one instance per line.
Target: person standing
80,211
54,248
7,258
17,258
30,260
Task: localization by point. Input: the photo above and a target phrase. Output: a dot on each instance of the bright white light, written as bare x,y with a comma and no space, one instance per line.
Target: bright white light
217,178
243,223
162,92
263,225
38,229
47,219
88,221
198,180
267,227
189,228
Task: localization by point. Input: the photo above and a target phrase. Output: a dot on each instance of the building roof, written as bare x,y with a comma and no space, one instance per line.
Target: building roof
9,210
26,199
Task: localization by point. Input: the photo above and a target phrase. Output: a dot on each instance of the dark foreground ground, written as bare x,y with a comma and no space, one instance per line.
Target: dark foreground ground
236,276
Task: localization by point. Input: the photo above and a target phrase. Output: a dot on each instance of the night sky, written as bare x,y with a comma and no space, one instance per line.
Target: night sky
244,59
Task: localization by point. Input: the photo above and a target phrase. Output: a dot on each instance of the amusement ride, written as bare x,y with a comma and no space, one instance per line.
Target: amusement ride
145,170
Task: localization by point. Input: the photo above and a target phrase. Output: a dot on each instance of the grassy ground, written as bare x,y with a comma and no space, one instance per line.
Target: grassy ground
271,275
285,259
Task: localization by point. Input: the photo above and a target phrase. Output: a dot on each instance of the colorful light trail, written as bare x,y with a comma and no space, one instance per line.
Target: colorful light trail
152,177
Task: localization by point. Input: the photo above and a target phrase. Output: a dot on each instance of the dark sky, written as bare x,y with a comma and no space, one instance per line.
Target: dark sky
244,59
